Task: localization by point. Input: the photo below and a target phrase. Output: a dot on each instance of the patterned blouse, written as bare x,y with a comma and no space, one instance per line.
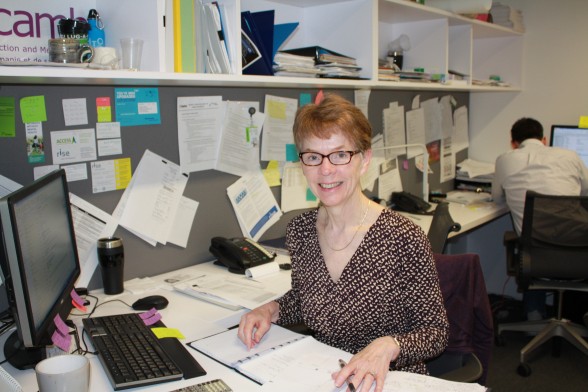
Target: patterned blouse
389,287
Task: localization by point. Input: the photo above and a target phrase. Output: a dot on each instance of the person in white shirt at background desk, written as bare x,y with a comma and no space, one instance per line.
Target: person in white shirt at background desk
363,277
532,165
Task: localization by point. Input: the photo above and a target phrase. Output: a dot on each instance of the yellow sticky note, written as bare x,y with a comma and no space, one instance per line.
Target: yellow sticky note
272,173
276,109
583,123
122,172
161,333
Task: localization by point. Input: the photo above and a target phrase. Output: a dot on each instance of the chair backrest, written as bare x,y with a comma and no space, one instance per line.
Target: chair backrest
441,225
554,237
471,328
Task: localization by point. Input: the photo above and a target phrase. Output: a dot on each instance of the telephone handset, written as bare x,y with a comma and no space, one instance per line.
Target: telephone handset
239,254
404,201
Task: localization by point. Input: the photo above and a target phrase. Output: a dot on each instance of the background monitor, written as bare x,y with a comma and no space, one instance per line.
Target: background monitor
39,259
571,137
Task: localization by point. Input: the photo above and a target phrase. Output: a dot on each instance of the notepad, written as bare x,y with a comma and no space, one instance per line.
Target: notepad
287,361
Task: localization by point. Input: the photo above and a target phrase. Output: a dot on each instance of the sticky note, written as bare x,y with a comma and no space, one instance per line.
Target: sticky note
103,109
32,109
291,153
7,117
162,332
583,123
319,97
272,173
276,109
153,319
309,195
304,99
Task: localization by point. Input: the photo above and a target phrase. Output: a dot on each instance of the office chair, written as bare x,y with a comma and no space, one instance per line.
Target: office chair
441,225
471,332
551,254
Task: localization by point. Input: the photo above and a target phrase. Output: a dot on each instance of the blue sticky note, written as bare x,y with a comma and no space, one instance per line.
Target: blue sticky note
137,106
304,99
309,195
291,153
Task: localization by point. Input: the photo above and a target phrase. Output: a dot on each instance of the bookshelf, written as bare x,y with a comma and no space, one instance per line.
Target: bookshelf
441,41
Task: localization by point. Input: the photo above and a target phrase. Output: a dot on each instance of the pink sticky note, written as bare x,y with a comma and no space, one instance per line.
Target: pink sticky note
77,301
146,315
60,324
153,319
61,341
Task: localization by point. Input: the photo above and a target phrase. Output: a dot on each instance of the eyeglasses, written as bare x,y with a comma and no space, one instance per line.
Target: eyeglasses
336,157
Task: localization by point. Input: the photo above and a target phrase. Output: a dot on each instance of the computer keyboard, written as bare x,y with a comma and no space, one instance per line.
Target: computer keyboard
133,356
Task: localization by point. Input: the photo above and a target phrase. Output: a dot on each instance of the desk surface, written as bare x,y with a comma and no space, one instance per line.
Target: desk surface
469,217
193,317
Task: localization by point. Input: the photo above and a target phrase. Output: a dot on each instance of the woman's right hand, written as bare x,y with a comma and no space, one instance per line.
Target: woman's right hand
255,324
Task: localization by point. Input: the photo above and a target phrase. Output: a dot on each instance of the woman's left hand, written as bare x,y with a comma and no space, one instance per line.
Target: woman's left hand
369,365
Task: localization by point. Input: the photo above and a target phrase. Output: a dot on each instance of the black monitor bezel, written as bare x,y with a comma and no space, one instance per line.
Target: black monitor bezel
13,267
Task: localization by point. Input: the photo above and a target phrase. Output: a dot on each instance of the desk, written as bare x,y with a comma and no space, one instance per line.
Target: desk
184,313
469,217
188,314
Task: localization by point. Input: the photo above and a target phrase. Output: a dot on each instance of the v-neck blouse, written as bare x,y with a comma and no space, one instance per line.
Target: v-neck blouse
389,287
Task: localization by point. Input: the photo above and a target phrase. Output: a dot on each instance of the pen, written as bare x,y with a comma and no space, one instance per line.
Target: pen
342,364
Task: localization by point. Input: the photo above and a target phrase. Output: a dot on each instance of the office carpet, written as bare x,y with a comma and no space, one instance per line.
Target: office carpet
568,372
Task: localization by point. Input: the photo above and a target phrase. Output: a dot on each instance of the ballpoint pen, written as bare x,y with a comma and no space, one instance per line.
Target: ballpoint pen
342,364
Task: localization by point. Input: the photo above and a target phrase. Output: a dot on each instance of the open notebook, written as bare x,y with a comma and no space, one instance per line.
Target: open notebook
286,361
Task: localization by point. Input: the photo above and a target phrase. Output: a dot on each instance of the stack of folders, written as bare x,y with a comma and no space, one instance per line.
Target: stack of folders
287,64
199,38
329,64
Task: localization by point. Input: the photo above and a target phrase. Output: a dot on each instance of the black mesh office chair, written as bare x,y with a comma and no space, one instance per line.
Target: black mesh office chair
551,254
441,225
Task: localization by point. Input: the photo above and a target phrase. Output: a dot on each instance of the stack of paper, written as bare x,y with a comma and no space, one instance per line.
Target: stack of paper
507,16
286,64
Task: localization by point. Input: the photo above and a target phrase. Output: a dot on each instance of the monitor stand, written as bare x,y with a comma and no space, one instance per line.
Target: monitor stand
20,356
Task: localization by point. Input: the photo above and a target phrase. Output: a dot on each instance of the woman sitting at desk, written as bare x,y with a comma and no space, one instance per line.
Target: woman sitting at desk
363,277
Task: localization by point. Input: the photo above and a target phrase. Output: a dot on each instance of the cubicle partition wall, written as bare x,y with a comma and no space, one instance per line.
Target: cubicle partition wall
215,216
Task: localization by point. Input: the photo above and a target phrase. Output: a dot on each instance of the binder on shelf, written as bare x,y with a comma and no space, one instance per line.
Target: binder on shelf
264,65
184,36
282,32
216,50
322,55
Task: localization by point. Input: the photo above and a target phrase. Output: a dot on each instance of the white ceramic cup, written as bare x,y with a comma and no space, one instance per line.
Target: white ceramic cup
105,55
64,373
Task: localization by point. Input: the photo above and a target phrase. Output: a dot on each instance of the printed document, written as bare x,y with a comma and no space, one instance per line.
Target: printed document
295,191
154,197
254,204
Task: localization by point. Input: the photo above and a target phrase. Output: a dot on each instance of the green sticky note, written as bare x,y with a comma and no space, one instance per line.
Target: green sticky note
291,153
7,117
304,99
309,195
32,109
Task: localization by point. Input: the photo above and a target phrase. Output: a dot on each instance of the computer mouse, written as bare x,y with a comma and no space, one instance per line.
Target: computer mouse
153,301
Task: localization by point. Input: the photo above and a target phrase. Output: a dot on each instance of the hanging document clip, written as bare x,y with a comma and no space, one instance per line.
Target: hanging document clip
251,132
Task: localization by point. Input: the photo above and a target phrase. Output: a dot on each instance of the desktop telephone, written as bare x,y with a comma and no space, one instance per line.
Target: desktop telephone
239,254
407,202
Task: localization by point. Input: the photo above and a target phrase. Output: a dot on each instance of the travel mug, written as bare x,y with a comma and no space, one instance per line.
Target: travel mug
111,257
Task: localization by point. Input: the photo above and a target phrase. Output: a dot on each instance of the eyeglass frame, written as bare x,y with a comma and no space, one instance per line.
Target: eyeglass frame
328,156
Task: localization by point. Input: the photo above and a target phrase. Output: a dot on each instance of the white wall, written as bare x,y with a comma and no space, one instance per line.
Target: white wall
555,77
555,91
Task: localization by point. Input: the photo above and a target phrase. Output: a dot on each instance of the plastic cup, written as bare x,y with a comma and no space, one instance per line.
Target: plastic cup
132,49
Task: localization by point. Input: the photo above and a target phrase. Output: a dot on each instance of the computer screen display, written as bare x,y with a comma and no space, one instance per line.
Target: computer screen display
571,137
39,260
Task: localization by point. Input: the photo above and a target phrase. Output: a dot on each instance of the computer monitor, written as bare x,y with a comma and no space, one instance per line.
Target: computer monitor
39,260
571,137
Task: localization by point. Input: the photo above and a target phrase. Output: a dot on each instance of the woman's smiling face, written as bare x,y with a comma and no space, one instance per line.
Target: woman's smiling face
334,184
